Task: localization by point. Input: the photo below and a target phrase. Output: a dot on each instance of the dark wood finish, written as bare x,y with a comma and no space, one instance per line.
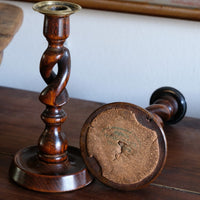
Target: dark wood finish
52,144
138,8
183,159
52,166
125,129
22,107
96,190
93,162
178,180
168,104
11,19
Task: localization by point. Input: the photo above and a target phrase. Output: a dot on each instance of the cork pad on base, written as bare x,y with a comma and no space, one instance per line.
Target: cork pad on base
123,146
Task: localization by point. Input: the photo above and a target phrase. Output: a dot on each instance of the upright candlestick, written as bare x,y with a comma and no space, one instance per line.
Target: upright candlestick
52,166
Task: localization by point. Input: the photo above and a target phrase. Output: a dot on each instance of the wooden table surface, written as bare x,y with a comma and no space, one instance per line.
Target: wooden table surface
20,126
10,20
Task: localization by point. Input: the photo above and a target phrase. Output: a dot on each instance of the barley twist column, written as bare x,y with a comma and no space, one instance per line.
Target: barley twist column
52,166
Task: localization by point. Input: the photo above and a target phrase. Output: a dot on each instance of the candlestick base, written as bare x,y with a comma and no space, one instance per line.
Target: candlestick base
30,172
123,146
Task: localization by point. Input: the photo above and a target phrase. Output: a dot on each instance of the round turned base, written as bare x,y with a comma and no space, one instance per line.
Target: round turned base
30,172
123,146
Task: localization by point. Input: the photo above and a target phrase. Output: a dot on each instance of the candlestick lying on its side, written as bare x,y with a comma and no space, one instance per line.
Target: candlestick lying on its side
124,146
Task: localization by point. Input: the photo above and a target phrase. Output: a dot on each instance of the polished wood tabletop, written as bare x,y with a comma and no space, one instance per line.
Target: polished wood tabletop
10,21
20,126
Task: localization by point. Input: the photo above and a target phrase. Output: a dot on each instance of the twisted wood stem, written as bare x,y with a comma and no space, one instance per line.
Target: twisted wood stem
52,142
164,109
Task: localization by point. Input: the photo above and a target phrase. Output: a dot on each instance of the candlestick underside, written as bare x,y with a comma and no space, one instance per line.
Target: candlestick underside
123,146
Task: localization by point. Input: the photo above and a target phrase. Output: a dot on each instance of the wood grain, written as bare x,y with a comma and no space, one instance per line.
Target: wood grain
9,190
20,126
20,116
10,20
138,8
182,169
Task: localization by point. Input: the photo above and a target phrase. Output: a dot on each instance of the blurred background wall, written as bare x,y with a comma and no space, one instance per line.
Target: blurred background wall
115,56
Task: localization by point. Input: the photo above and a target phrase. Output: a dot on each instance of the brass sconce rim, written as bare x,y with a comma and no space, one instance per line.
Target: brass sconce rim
56,8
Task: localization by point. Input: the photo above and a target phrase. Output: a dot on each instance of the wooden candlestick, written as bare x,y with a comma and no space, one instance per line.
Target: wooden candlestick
124,146
52,166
